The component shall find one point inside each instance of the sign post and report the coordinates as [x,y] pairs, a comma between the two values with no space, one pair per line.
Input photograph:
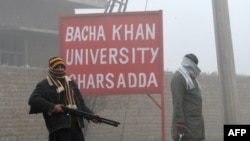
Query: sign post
[115,53]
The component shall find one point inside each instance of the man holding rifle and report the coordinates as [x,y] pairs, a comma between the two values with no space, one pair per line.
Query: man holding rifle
[52,95]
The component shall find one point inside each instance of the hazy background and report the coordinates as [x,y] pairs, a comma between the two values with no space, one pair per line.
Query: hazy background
[189,28]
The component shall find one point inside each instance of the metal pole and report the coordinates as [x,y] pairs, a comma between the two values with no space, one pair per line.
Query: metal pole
[225,60]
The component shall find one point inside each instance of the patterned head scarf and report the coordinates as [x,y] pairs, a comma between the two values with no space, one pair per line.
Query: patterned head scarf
[53,63]
[54,77]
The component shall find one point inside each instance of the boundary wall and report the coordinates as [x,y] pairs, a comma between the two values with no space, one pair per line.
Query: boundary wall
[140,117]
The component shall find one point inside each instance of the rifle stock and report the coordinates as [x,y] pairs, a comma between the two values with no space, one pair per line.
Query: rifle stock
[90,116]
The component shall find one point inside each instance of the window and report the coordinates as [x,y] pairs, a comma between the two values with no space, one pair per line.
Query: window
[11,49]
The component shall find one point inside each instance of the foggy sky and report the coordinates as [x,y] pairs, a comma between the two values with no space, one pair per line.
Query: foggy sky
[189,28]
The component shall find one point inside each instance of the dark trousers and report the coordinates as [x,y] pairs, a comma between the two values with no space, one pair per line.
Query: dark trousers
[67,134]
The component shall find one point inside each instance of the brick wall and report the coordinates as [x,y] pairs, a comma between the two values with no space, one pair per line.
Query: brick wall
[140,117]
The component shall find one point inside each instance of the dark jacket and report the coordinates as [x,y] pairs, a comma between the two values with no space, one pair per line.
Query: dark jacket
[43,99]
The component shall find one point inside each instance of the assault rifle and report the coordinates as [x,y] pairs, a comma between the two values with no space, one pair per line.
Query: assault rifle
[90,116]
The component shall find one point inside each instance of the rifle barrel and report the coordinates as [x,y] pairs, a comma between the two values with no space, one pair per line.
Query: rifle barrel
[90,116]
